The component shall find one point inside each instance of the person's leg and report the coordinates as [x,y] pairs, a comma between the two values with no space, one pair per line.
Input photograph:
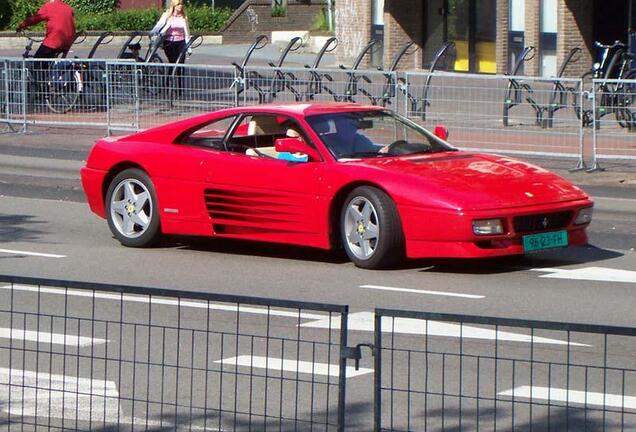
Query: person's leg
[40,70]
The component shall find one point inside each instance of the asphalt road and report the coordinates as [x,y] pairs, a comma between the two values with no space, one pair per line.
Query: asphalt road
[46,230]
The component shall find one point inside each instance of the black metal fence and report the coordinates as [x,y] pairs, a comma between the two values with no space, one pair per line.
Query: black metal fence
[439,372]
[84,356]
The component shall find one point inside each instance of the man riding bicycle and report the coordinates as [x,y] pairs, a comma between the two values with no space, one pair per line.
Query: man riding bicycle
[60,28]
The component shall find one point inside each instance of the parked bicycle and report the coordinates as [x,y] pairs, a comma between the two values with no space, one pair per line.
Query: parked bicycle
[616,97]
[58,82]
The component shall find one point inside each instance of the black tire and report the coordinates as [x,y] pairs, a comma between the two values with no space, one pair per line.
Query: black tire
[133,220]
[374,241]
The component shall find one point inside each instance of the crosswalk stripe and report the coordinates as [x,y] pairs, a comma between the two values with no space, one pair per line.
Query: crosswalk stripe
[286,365]
[164,301]
[48,338]
[572,396]
[365,321]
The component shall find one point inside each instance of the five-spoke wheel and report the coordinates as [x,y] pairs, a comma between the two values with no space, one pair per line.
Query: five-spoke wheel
[131,207]
[371,230]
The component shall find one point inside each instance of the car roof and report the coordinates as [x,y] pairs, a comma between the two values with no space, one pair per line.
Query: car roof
[307,109]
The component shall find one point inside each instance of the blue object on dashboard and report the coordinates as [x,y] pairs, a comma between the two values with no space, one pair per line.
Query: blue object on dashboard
[293,157]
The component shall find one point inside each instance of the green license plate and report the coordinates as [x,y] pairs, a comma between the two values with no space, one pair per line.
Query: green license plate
[549,240]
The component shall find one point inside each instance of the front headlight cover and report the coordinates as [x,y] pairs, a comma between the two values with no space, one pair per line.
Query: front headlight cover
[584,216]
[488,227]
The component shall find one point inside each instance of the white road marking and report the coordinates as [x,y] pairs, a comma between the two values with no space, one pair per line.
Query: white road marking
[57,396]
[165,301]
[572,396]
[365,321]
[416,291]
[614,199]
[37,254]
[601,274]
[276,364]
[48,338]
[67,397]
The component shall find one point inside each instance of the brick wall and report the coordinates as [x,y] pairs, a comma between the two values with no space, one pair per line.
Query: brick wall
[532,36]
[300,16]
[353,29]
[576,23]
[503,16]
[402,25]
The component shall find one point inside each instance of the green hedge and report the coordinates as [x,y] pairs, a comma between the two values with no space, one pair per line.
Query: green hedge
[201,18]
[93,6]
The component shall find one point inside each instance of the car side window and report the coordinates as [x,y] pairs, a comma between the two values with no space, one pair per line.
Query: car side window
[256,134]
[210,135]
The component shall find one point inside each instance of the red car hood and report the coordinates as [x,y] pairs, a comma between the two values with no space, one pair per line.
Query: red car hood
[479,181]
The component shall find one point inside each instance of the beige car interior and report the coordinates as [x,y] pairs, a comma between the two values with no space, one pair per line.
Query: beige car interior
[267,126]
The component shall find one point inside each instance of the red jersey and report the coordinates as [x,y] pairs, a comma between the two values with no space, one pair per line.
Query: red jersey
[60,24]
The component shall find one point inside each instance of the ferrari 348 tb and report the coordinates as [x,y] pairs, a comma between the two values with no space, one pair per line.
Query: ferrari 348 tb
[329,176]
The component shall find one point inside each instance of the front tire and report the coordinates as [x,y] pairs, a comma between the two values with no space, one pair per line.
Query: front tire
[370,229]
[131,209]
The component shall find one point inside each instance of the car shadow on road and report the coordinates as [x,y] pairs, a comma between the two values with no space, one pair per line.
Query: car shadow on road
[259,249]
[548,259]
[14,228]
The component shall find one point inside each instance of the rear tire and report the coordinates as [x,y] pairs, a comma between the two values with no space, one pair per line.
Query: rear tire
[131,209]
[371,230]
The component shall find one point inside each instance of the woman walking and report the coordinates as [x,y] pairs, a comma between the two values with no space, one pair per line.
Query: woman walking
[173,26]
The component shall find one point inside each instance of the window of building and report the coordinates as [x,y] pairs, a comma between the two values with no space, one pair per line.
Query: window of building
[548,38]
[470,25]
[516,34]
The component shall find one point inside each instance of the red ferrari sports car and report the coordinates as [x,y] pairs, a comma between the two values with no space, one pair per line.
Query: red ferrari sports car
[328,176]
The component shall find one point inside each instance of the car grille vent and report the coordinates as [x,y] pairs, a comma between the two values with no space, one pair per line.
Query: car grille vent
[542,222]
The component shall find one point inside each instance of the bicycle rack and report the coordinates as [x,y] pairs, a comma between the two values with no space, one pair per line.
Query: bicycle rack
[103,39]
[80,38]
[439,55]
[559,92]
[515,90]
[351,88]
[389,89]
[279,80]
[241,82]
[314,86]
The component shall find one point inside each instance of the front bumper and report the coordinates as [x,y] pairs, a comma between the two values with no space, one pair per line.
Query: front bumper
[434,233]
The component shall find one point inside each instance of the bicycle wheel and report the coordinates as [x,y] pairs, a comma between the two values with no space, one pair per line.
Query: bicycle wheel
[62,93]
[153,78]
[626,94]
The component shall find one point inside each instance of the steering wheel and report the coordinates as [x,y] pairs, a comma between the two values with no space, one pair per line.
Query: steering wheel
[397,147]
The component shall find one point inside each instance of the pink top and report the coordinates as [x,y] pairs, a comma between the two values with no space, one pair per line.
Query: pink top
[176,29]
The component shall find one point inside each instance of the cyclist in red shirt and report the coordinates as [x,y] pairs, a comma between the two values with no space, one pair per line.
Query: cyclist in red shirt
[60,28]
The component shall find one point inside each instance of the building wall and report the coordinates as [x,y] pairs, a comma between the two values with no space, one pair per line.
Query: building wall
[576,26]
[239,29]
[352,28]
[403,25]
[503,16]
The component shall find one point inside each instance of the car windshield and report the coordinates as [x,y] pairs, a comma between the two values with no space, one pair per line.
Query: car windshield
[372,134]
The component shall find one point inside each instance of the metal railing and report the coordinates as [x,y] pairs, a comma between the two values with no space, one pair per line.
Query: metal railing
[488,112]
[614,114]
[80,356]
[457,372]
[513,114]
[96,357]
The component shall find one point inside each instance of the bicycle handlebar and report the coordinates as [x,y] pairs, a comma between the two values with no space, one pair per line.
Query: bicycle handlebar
[616,44]
[29,37]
